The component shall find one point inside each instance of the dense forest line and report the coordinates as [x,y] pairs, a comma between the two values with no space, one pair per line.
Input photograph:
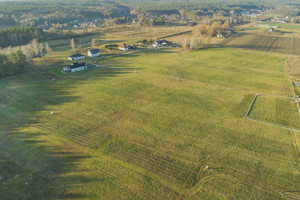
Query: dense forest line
[13,64]
[19,35]
[34,13]
[47,13]
[174,6]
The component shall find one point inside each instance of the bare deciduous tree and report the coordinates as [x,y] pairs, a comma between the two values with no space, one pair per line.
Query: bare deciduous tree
[47,48]
[73,46]
[93,43]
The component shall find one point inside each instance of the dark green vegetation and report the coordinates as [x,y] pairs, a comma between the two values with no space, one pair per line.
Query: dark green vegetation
[49,13]
[35,13]
[145,125]
[205,5]
[14,64]
[16,36]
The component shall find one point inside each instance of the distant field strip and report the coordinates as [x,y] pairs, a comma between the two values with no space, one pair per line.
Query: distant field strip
[264,43]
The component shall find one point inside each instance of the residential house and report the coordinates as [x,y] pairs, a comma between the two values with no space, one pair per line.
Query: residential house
[93,53]
[76,56]
[75,67]
[159,43]
[124,47]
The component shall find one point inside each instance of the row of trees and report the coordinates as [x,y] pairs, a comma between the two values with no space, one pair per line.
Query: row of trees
[36,13]
[19,35]
[30,50]
[13,64]
[216,28]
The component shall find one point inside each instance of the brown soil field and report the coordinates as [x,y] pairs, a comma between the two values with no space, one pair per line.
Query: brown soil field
[271,43]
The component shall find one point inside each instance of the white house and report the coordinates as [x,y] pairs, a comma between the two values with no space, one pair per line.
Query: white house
[75,67]
[93,53]
[76,56]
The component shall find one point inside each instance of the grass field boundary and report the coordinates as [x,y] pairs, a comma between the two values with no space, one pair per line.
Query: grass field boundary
[270,123]
[251,106]
[274,124]
[298,106]
[295,145]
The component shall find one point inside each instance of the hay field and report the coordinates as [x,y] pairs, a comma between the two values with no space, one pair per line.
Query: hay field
[285,45]
[145,126]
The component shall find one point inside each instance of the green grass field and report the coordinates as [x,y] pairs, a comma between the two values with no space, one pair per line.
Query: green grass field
[144,126]
[279,111]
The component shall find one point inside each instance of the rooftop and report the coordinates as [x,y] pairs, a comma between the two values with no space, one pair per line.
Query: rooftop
[94,51]
[76,55]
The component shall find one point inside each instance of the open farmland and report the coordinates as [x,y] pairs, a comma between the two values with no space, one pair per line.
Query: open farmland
[145,126]
[285,45]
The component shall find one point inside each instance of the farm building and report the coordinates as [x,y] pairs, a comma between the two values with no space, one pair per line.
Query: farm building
[93,53]
[124,47]
[75,67]
[76,56]
[159,43]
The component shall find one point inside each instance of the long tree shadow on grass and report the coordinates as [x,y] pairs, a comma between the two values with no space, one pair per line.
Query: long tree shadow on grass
[33,165]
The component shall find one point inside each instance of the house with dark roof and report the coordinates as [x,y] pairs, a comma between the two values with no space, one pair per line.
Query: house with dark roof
[93,53]
[75,67]
[76,56]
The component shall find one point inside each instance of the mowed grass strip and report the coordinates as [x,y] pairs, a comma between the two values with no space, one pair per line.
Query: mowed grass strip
[183,173]
[281,111]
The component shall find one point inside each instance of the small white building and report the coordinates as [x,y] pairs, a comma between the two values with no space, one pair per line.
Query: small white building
[93,53]
[75,67]
[76,56]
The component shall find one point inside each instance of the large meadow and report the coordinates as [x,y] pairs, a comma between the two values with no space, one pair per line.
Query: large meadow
[158,124]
